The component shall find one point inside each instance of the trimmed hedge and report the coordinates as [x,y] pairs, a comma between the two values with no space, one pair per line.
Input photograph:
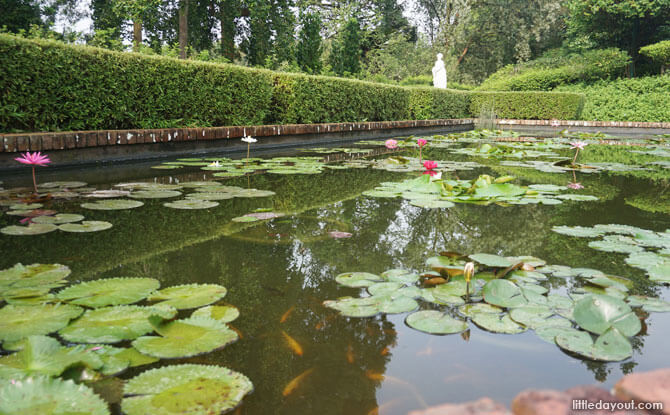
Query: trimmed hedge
[532,105]
[47,85]
[636,99]
[50,86]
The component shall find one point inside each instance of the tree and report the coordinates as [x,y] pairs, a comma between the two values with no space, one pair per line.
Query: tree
[135,10]
[308,51]
[183,29]
[346,54]
[19,14]
[626,24]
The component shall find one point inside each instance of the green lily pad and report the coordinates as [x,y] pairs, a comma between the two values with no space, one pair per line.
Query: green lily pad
[435,322]
[657,266]
[210,196]
[470,310]
[245,219]
[358,279]
[191,204]
[185,338]
[537,316]
[222,313]
[114,324]
[189,295]
[19,321]
[497,323]
[117,359]
[371,306]
[180,389]
[85,226]
[491,260]
[578,231]
[69,185]
[649,304]
[432,203]
[598,313]
[400,275]
[615,228]
[254,193]
[42,355]
[154,194]
[59,218]
[384,288]
[444,264]
[110,291]
[25,206]
[112,204]
[611,346]
[43,395]
[31,276]
[503,293]
[614,246]
[578,198]
[31,229]
[549,333]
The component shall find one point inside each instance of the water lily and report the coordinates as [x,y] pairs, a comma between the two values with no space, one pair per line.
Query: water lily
[249,140]
[577,145]
[468,272]
[430,165]
[34,159]
[575,185]
[421,142]
[215,164]
[391,144]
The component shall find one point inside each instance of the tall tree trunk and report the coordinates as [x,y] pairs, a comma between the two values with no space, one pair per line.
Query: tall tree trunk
[137,34]
[183,29]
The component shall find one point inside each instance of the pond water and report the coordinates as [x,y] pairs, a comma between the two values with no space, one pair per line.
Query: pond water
[279,272]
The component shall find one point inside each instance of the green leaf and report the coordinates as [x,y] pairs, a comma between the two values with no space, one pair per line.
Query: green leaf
[110,291]
[358,279]
[611,346]
[59,218]
[186,338]
[598,313]
[649,304]
[189,295]
[31,229]
[180,389]
[191,204]
[503,293]
[491,260]
[535,317]
[19,321]
[86,226]
[41,396]
[222,313]
[435,322]
[112,204]
[497,323]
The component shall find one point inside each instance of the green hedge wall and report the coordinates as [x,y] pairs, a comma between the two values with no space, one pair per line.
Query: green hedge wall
[50,86]
[532,105]
[47,85]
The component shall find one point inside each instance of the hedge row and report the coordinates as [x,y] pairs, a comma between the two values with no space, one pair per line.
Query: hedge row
[50,86]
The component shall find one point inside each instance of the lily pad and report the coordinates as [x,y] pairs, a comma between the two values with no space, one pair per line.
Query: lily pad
[113,204]
[179,389]
[189,295]
[503,293]
[19,321]
[649,304]
[31,229]
[537,316]
[491,260]
[59,218]
[611,346]
[210,196]
[578,231]
[598,313]
[110,291]
[400,275]
[615,246]
[42,395]
[222,313]
[245,219]
[117,359]
[85,226]
[384,288]
[470,310]
[114,324]
[62,184]
[435,322]
[358,279]
[42,355]
[191,204]
[186,338]
[549,333]
[497,323]
[371,306]
[432,203]
[154,194]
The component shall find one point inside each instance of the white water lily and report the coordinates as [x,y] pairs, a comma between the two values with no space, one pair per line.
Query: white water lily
[249,139]
[214,164]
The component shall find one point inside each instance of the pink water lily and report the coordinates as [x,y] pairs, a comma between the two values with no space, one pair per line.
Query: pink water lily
[391,144]
[575,186]
[33,159]
[430,165]
[421,142]
[578,144]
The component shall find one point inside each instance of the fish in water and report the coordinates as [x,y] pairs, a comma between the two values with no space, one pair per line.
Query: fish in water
[350,354]
[295,382]
[286,315]
[376,376]
[292,344]
[385,351]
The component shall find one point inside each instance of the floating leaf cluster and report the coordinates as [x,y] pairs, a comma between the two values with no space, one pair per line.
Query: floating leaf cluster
[426,192]
[94,318]
[647,250]
[506,295]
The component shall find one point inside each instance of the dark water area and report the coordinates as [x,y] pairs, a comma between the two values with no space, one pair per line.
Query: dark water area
[278,274]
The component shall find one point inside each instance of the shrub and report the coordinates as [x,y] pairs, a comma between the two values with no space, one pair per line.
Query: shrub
[531,105]
[547,73]
[47,86]
[659,52]
[637,99]
[430,103]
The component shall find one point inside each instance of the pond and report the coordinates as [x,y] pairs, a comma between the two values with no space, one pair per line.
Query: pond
[304,356]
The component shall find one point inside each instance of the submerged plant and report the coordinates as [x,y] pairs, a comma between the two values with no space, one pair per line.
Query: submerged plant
[577,145]
[34,159]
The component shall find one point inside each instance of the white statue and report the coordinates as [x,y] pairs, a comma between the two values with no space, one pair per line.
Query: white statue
[439,73]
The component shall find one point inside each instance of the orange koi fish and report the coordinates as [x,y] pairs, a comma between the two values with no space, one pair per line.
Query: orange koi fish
[385,351]
[350,354]
[295,382]
[285,316]
[376,376]
[292,344]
